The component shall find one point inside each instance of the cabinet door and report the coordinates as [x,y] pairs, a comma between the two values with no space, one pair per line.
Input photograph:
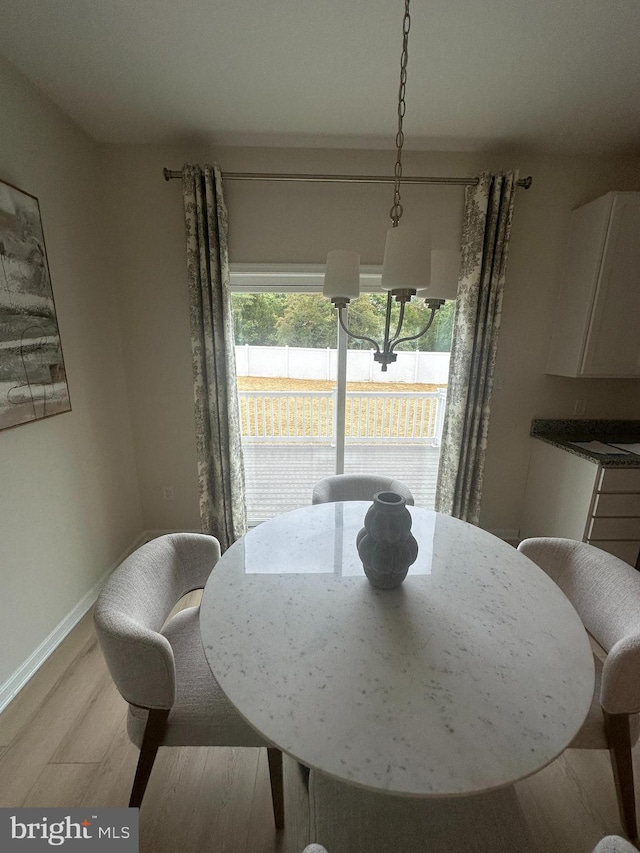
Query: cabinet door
[613,344]
[578,283]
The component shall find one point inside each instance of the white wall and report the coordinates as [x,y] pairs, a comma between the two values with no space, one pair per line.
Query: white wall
[69,503]
[269,223]
[299,223]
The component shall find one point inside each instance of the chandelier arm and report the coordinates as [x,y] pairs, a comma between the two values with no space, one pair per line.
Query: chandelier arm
[387,322]
[398,327]
[352,334]
[422,332]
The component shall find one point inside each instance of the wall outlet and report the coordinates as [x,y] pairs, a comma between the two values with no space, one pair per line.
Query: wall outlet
[167,493]
[579,407]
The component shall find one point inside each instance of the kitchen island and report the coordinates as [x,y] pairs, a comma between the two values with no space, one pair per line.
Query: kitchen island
[584,483]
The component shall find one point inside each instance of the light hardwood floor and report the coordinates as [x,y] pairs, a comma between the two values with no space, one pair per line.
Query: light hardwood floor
[63,742]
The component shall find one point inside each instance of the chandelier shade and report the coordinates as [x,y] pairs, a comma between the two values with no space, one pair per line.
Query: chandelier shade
[445,270]
[407,259]
[342,275]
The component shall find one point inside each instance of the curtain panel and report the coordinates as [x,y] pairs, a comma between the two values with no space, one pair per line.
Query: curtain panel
[485,242]
[217,417]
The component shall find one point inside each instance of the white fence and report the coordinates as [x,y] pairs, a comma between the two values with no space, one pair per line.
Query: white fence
[292,417]
[306,363]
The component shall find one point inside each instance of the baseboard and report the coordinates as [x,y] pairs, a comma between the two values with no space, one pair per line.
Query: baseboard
[14,684]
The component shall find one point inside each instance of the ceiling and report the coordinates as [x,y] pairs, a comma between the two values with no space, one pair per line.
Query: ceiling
[557,75]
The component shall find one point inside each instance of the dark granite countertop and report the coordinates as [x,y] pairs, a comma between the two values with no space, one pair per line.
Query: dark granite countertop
[561,432]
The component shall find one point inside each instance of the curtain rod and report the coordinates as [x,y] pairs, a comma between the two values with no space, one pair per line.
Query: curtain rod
[170,174]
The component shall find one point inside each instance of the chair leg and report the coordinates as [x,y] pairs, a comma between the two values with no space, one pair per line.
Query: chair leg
[619,739]
[277,785]
[151,740]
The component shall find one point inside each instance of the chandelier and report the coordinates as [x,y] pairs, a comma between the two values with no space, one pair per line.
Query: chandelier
[409,267]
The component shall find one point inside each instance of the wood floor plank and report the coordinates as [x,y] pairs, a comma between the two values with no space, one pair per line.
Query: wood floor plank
[558,812]
[112,784]
[296,810]
[18,713]
[33,747]
[61,785]
[592,775]
[199,799]
[171,801]
[89,740]
[229,783]
[261,837]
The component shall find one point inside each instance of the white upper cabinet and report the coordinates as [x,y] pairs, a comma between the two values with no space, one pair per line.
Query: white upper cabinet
[597,315]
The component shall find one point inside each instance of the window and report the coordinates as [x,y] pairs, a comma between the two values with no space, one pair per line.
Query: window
[314,403]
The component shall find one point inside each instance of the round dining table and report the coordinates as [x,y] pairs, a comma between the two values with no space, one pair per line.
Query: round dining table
[476,672]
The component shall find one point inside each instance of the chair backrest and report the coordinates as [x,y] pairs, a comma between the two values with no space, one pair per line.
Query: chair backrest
[357,487]
[134,605]
[605,591]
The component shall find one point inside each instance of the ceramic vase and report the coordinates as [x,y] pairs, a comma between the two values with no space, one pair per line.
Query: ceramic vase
[385,544]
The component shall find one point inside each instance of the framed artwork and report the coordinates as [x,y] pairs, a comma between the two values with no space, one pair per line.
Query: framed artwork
[33,381]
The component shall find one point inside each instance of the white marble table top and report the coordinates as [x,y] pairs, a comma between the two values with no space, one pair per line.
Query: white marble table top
[475,673]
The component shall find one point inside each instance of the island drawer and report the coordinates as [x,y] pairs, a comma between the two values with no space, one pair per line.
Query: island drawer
[614,528]
[616,504]
[620,480]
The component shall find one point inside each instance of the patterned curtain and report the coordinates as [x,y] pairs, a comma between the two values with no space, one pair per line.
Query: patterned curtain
[218,442]
[485,241]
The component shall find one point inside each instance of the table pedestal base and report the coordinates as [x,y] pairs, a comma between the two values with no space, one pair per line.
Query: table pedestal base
[345,818]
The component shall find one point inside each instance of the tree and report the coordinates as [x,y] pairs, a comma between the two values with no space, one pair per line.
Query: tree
[438,338]
[308,321]
[363,318]
[255,317]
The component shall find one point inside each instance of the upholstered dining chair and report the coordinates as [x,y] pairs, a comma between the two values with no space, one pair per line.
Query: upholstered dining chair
[605,592]
[357,487]
[614,844]
[159,666]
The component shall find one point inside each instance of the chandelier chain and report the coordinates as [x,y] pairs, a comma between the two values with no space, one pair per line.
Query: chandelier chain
[402,286]
[396,210]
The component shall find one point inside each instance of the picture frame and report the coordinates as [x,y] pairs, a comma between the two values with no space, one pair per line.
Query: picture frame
[33,379]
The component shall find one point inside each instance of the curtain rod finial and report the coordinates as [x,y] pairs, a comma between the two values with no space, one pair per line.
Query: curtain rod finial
[167,174]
